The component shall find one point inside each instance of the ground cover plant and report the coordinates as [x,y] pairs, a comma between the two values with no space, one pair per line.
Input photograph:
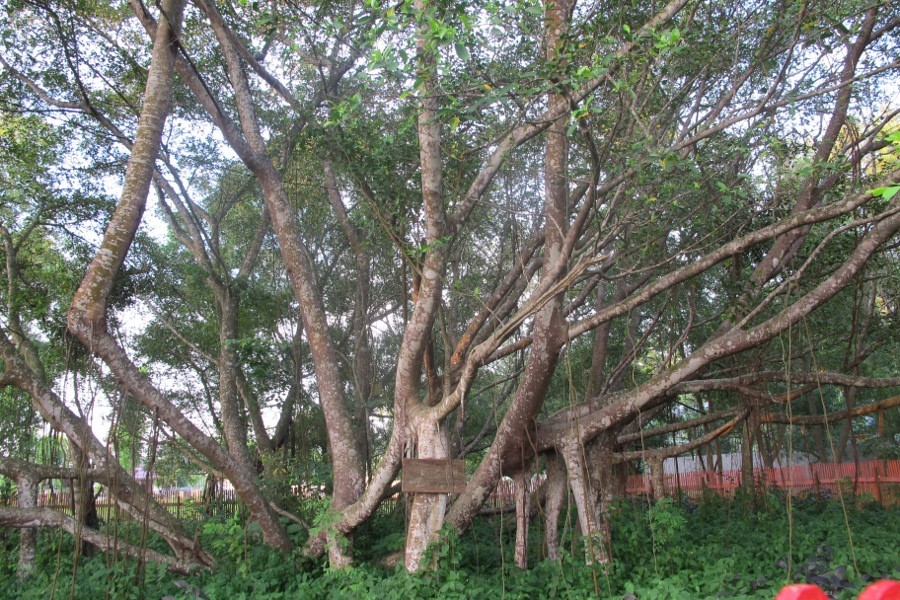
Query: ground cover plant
[713,549]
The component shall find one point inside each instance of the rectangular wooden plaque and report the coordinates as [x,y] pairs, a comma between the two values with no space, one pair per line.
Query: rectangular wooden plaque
[433,476]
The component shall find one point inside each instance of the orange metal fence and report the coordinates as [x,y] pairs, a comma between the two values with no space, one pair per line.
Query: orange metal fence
[876,478]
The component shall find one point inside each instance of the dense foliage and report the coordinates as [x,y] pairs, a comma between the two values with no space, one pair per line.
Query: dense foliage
[714,549]
[283,247]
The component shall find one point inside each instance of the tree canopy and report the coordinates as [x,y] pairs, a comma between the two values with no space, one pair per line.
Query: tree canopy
[292,245]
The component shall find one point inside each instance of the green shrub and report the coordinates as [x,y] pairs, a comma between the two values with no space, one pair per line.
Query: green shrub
[672,550]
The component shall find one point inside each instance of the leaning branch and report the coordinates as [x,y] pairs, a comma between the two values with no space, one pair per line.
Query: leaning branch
[15,468]
[22,518]
[625,404]
[129,494]
[840,379]
[682,448]
[675,427]
[831,418]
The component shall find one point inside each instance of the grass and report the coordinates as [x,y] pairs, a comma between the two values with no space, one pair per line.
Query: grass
[743,548]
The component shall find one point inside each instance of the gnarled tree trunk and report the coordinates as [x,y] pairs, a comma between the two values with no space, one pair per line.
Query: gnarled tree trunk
[427,511]
[556,496]
[585,501]
[523,518]
[83,497]
[27,497]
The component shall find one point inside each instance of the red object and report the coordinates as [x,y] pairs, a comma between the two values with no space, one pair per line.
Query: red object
[801,591]
[882,590]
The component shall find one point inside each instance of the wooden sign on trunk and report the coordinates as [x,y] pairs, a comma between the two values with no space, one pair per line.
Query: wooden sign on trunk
[433,476]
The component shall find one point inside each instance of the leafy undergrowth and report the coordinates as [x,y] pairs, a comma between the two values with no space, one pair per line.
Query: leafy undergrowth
[717,549]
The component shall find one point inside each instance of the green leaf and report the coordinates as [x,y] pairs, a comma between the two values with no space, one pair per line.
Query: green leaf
[461,51]
[886,192]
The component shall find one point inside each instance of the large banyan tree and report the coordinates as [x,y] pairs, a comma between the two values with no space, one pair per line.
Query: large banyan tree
[534,236]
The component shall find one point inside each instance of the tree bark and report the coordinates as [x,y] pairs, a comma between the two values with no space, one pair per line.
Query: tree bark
[362,351]
[344,445]
[601,452]
[87,315]
[27,497]
[426,515]
[585,501]
[556,495]
[83,497]
[30,518]
[747,482]
[548,323]
[233,425]
[523,518]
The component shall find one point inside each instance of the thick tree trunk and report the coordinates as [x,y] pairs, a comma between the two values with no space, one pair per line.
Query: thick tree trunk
[87,315]
[556,495]
[600,451]
[511,439]
[523,518]
[426,514]
[747,456]
[91,299]
[233,425]
[586,504]
[605,469]
[431,436]
[344,443]
[27,496]
[83,497]
[362,352]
